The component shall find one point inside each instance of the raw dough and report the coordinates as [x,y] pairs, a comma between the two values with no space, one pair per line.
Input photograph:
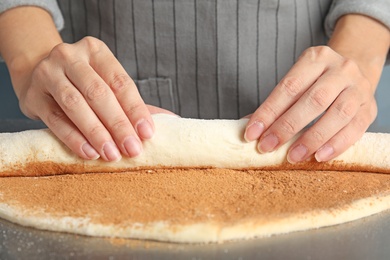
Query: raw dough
[184,143]
[181,142]
[192,206]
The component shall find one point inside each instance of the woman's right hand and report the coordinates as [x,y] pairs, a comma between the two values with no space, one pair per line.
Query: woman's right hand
[83,94]
[79,90]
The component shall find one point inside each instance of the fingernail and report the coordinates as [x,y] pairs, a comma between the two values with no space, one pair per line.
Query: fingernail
[254,131]
[144,129]
[297,154]
[132,146]
[324,153]
[268,144]
[89,151]
[111,152]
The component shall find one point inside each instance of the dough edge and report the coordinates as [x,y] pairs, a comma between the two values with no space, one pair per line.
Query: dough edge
[202,232]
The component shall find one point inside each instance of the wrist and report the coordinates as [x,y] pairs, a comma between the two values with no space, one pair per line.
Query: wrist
[364,41]
[27,35]
[21,68]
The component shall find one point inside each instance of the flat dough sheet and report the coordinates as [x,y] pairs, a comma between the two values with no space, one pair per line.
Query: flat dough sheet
[193,206]
[181,190]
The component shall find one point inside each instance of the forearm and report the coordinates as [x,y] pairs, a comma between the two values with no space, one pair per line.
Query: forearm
[27,35]
[365,41]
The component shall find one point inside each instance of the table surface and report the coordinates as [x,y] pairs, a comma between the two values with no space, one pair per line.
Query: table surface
[367,238]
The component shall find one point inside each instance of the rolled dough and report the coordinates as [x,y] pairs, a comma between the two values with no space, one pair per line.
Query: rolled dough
[178,143]
[181,142]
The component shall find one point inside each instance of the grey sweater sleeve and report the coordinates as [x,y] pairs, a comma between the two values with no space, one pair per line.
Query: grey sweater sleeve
[49,5]
[378,9]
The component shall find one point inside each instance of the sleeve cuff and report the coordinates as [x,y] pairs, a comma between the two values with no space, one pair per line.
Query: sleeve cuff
[49,5]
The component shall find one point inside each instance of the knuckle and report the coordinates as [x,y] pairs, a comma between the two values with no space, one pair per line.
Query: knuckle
[69,98]
[288,126]
[96,91]
[134,107]
[93,44]
[318,136]
[120,81]
[350,66]
[62,51]
[77,64]
[120,124]
[96,130]
[55,117]
[317,53]
[310,53]
[346,110]
[323,51]
[318,98]
[70,137]
[269,110]
[291,86]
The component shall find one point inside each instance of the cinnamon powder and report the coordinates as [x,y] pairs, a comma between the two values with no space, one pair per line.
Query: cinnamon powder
[185,196]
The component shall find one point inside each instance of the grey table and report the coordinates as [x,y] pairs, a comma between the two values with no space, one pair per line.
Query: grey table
[367,238]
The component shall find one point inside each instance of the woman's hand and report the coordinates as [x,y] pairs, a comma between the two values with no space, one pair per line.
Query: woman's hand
[322,82]
[79,90]
[335,84]
[88,100]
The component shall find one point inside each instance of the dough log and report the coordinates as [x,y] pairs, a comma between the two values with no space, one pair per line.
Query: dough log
[181,143]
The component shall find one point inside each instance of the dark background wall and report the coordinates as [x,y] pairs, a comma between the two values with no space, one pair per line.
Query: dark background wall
[383,99]
[8,102]
[9,108]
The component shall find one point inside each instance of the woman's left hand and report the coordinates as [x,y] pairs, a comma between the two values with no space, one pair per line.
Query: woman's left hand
[335,84]
[321,83]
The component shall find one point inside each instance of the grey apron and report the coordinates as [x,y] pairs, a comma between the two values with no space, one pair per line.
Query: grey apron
[201,58]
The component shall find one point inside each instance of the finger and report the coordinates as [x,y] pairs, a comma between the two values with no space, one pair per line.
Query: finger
[54,118]
[125,91]
[301,76]
[312,103]
[38,103]
[349,134]
[104,104]
[340,113]
[79,112]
